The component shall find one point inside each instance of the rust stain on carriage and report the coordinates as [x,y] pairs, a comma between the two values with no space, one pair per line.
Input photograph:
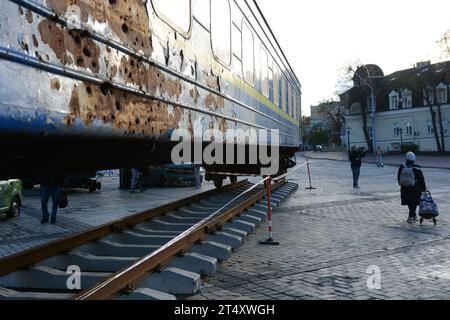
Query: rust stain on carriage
[127,19]
[122,110]
[62,41]
[55,84]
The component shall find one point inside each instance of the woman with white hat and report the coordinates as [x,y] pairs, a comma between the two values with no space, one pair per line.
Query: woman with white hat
[412,182]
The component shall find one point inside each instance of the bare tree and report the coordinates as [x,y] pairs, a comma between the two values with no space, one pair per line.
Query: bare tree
[332,112]
[427,83]
[355,99]
[444,43]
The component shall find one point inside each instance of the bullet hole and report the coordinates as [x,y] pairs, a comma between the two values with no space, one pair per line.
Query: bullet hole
[104,88]
[125,28]
[86,52]
[126,70]
[35,41]
[118,106]
[94,65]
[77,39]
[130,75]
[132,63]
[113,117]
[137,121]
[80,61]
[112,2]
[89,90]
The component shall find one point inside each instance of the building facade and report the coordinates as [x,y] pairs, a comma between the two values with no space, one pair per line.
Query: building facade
[405,108]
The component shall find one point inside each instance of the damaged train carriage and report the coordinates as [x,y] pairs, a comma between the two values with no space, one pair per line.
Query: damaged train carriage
[95,84]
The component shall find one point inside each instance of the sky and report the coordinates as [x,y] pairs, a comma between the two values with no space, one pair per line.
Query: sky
[320,37]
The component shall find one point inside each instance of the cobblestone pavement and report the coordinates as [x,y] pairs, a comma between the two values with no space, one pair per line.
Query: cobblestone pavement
[438,162]
[84,212]
[335,240]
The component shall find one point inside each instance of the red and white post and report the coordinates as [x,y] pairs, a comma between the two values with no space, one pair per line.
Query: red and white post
[269,215]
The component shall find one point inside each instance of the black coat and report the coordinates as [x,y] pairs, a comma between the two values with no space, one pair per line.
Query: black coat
[355,157]
[411,195]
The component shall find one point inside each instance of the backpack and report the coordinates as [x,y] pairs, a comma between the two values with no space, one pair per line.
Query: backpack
[407,177]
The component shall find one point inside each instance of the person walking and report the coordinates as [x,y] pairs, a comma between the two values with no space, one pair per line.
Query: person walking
[197,175]
[355,158]
[136,178]
[412,181]
[380,160]
[51,185]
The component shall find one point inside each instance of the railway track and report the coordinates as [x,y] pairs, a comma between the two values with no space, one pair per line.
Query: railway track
[159,254]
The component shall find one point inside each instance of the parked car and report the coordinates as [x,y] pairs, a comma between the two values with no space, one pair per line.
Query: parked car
[86,180]
[11,197]
[318,147]
[170,175]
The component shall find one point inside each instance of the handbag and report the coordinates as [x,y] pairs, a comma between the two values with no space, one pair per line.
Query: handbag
[63,201]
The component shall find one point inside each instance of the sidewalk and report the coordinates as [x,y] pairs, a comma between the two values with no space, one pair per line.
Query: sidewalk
[434,162]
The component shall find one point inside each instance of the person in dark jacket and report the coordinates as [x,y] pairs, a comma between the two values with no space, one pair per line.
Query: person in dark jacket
[355,158]
[410,195]
[51,185]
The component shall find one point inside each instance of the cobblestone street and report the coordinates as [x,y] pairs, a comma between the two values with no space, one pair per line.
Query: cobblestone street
[334,238]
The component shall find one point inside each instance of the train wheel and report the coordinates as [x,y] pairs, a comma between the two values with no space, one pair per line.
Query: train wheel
[218,183]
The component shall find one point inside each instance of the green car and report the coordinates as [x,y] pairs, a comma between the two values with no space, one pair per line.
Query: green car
[10,197]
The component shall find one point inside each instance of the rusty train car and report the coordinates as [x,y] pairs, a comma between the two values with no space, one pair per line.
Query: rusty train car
[95,84]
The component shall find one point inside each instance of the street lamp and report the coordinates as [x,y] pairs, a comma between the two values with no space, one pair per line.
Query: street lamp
[348,138]
[401,138]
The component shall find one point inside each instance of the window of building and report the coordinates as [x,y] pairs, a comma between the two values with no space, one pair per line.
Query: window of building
[441,94]
[221,30]
[407,98]
[428,97]
[264,72]
[179,19]
[248,56]
[409,129]
[430,127]
[393,100]
[276,85]
[396,130]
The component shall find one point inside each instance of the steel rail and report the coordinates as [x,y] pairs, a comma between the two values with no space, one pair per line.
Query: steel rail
[50,14]
[35,255]
[128,278]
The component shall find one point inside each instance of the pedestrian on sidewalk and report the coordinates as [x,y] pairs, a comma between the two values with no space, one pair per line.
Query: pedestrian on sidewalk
[355,158]
[136,178]
[197,175]
[51,185]
[410,178]
[380,160]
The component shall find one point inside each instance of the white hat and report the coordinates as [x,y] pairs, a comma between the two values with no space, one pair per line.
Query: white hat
[410,156]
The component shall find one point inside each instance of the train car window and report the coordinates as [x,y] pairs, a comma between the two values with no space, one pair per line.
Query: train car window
[276,85]
[283,94]
[291,103]
[179,19]
[271,96]
[248,54]
[264,72]
[201,11]
[221,30]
